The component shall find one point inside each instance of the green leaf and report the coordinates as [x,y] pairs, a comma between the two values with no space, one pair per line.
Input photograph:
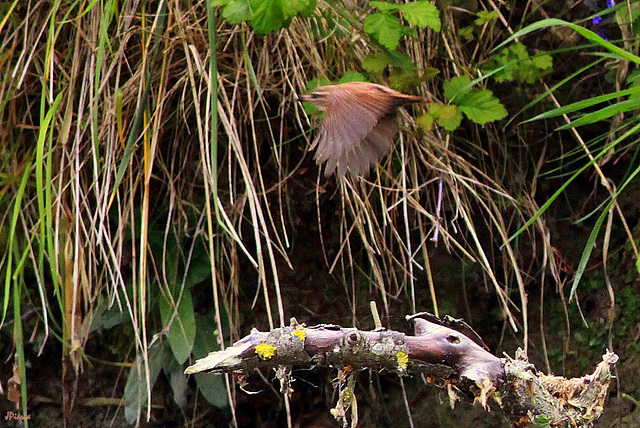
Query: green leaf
[479,106]
[211,386]
[404,80]
[448,116]
[482,107]
[352,76]
[199,266]
[237,11]
[385,28]
[318,81]
[457,86]
[303,7]
[422,14]
[542,61]
[401,60]
[514,63]
[466,33]
[178,382]
[383,5]
[135,390]
[425,121]
[182,326]
[485,17]
[268,15]
[375,63]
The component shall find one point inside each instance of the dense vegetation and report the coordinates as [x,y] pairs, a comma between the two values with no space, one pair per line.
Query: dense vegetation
[158,198]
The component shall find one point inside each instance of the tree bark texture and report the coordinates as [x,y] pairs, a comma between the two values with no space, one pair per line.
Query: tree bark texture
[447,353]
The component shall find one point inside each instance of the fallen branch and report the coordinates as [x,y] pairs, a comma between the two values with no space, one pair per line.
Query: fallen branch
[443,351]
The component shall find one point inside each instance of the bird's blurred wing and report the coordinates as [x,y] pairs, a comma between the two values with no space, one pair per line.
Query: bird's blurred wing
[357,130]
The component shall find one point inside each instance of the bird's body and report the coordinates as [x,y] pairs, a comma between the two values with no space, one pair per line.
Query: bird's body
[360,124]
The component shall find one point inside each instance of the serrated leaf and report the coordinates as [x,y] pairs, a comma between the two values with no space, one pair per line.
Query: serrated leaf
[425,121]
[182,327]
[352,76]
[482,107]
[303,7]
[407,31]
[485,17]
[403,80]
[385,28]
[401,60]
[383,5]
[448,116]
[542,61]
[237,11]
[376,62]
[422,14]
[268,15]
[516,64]
[429,73]
[456,87]
[466,33]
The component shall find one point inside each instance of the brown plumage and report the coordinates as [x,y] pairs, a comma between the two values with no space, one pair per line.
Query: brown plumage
[360,123]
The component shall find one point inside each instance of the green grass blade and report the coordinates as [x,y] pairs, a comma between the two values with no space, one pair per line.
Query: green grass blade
[580,105]
[17,207]
[588,34]
[558,192]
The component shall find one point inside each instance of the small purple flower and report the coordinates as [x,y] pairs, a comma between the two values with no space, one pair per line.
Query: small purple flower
[596,20]
[611,3]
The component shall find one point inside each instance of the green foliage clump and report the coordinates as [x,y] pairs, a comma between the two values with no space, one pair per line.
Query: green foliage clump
[480,106]
[265,16]
[515,64]
[387,29]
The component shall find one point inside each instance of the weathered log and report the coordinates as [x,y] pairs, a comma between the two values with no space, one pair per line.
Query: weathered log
[445,356]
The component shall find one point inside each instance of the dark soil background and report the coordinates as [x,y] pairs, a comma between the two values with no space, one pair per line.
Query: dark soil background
[559,340]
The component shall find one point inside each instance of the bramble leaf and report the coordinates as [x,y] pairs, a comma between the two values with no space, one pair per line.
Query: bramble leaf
[352,76]
[456,87]
[485,17]
[466,33]
[422,14]
[237,11]
[383,5]
[518,65]
[303,7]
[479,106]
[385,28]
[482,107]
[268,15]
[448,116]
[425,121]
[401,60]
[376,62]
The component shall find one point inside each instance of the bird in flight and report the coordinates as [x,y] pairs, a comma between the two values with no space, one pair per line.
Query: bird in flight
[359,126]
